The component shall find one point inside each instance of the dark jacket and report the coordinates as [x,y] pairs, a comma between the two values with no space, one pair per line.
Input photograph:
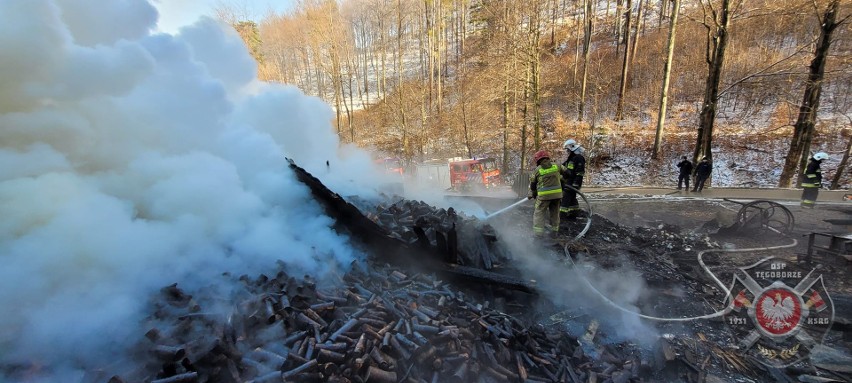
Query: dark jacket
[685,167]
[703,169]
[813,175]
[576,166]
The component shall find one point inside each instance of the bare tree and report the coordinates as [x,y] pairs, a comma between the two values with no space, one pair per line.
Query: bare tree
[534,62]
[803,130]
[625,64]
[639,23]
[716,22]
[667,71]
[589,18]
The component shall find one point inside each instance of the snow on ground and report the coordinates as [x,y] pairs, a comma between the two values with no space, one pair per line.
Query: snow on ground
[739,160]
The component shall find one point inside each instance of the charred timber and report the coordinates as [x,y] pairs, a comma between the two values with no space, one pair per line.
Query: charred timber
[396,251]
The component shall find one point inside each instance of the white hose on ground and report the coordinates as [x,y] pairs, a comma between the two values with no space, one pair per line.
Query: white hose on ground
[706,269]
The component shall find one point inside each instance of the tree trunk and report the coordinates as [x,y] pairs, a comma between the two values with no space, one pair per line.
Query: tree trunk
[625,66]
[430,46]
[576,49]
[799,152]
[587,40]
[553,26]
[400,89]
[505,168]
[715,61]
[337,85]
[382,80]
[440,53]
[366,71]
[638,22]
[466,128]
[525,111]
[618,26]
[667,71]
[535,72]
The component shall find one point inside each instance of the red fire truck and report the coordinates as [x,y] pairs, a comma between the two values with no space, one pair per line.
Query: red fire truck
[472,174]
[390,165]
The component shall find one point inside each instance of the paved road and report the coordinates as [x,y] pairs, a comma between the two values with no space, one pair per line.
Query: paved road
[835,196]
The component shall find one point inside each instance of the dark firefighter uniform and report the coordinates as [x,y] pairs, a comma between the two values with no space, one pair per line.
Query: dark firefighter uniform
[811,182]
[575,166]
[546,188]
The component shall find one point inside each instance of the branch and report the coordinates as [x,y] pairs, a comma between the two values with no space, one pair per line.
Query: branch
[713,10]
[761,72]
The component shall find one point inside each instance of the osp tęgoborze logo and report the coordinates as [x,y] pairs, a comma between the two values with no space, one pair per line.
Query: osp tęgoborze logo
[779,312]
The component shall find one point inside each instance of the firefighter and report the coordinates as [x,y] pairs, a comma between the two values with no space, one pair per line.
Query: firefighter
[575,165]
[685,167]
[568,146]
[702,173]
[812,180]
[546,188]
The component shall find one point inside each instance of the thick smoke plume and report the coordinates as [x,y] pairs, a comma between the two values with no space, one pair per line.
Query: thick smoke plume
[130,160]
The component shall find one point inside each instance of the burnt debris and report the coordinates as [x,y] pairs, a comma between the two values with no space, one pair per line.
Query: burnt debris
[453,257]
[378,325]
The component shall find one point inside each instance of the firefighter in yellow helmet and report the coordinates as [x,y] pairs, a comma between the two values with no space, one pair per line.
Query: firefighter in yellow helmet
[546,188]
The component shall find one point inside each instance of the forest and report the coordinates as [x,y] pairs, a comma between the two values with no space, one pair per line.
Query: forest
[639,83]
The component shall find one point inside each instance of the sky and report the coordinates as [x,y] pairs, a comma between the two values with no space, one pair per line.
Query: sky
[177,13]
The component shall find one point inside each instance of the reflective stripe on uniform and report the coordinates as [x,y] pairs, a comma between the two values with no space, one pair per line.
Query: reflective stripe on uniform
[808,185]
[811,175]
[538,230]
[551,169]
[570,165]
[549,190]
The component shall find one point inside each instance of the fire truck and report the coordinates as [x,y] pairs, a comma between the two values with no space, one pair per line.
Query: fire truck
[473,174]
[459,174]
[390,165]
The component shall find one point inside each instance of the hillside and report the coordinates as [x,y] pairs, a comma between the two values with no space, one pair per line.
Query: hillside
[436,79]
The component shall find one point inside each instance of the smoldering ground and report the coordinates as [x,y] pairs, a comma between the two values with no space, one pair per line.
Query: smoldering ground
[564,285]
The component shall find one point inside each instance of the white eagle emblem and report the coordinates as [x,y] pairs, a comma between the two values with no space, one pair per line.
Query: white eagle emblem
[777,311]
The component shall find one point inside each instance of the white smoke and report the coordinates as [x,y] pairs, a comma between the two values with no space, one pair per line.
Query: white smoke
[566,285]
[131,160]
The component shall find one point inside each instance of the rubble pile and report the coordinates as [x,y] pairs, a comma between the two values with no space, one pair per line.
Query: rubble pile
[379,325]
[464,240]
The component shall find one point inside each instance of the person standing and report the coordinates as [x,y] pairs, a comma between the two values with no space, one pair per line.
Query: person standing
[702,173]
[569,145]
[685,167]
[575,167]
[546,188]
[812,180]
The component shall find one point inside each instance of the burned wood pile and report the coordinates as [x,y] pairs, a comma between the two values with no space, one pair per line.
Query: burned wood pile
[383,246]
[380,325]
[463,240]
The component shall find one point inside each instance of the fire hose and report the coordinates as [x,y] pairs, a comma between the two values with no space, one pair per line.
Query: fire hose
[727,290]
[505,209]
[579,194]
